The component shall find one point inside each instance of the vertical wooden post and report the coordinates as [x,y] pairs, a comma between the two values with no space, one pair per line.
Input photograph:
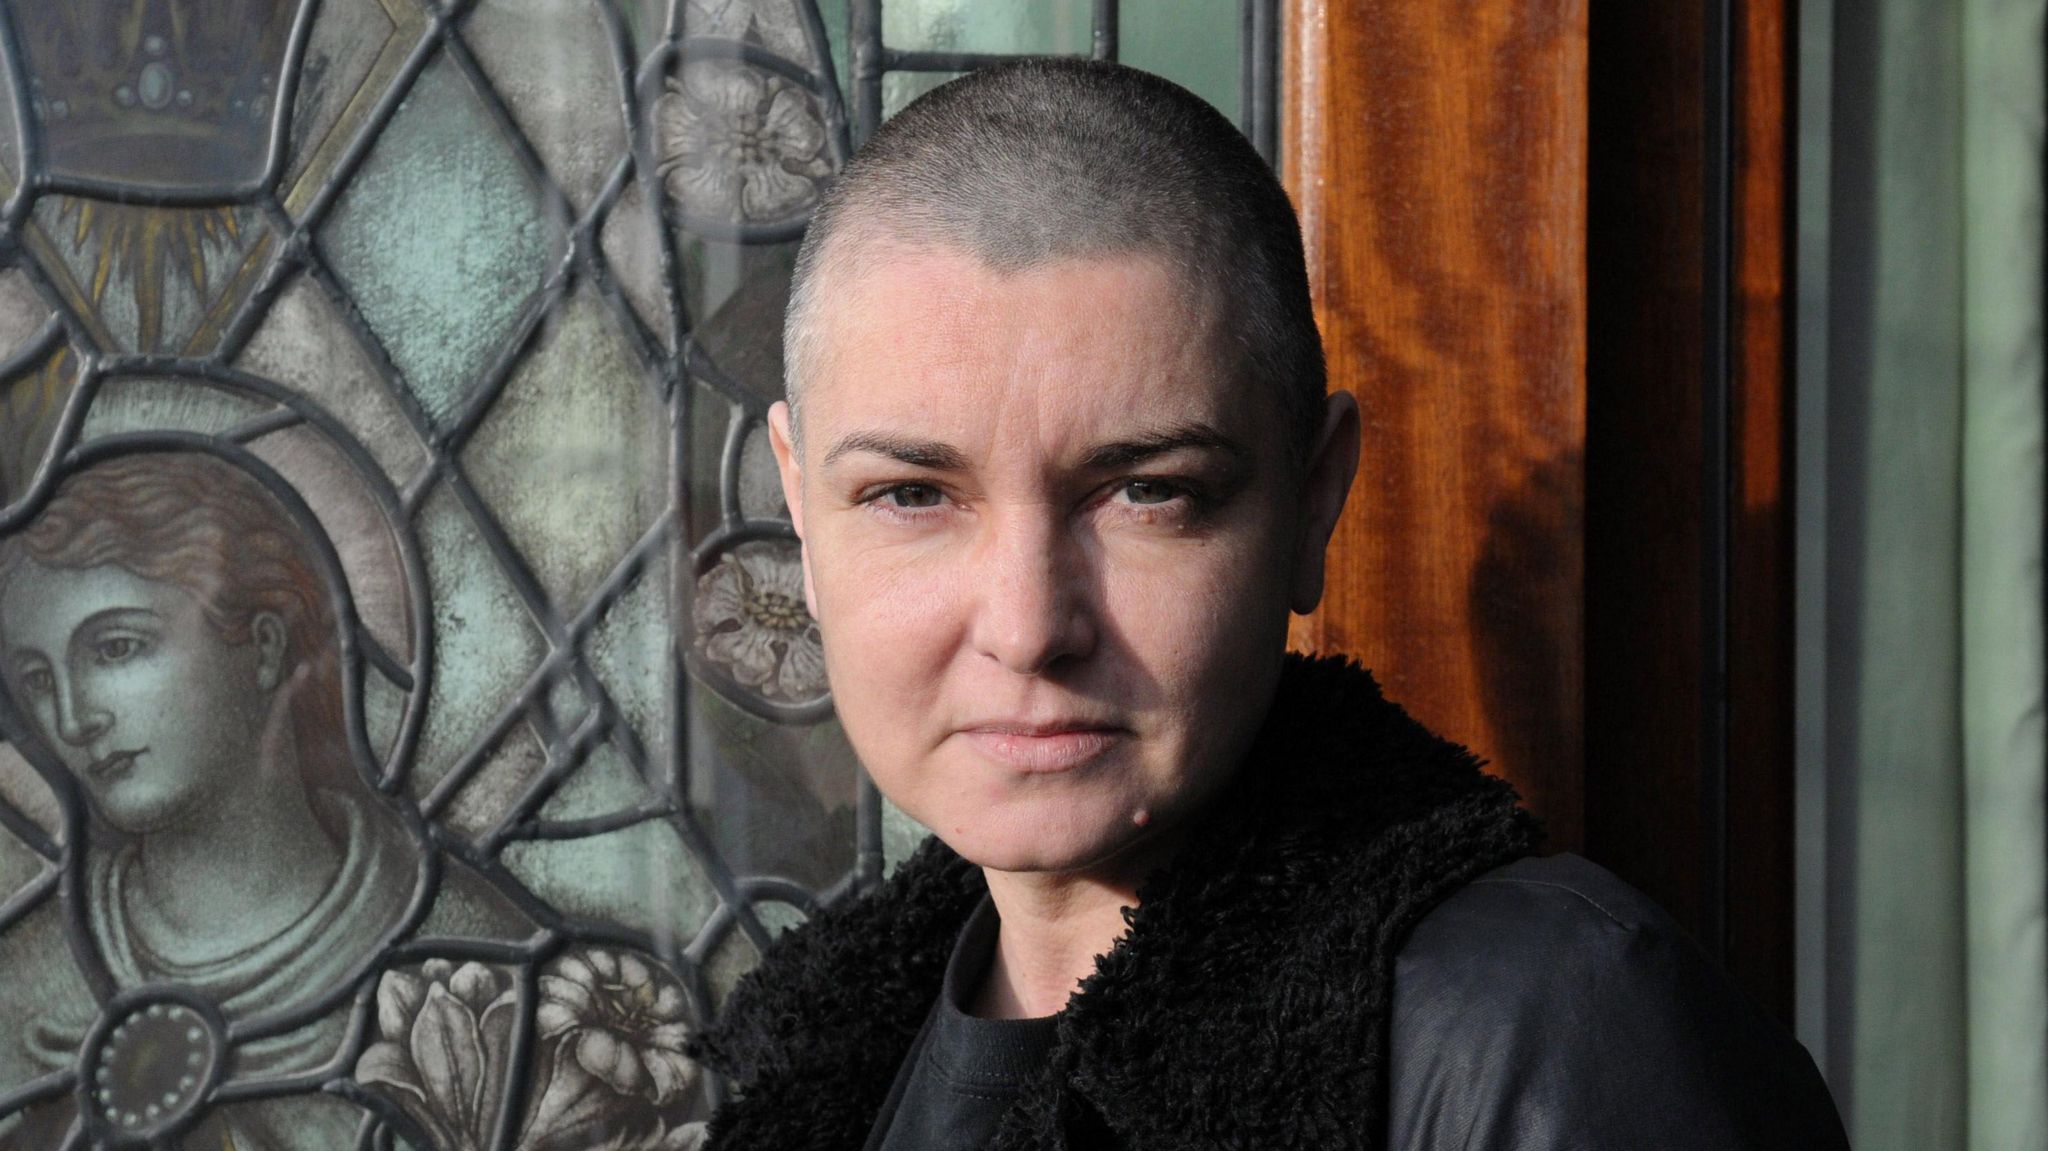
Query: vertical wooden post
[1437,155]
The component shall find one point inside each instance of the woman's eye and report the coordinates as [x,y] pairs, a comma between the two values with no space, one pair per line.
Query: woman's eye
[39,680]
[115,648]
[913,496]
[1150,491]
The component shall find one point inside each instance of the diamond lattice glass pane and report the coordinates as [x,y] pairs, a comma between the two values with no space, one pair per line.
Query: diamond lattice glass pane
[630,653]
[631,240]
[485,645]
[353,55]
[604,785]
[573,454]
[304,342]
[551,60]
[441,238]
[488,798]
[641,877]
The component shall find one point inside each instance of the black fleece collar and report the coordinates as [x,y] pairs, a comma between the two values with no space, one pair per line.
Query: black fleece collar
[1248,1004]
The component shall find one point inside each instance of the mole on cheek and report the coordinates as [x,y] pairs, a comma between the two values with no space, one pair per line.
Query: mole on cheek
[1140,817]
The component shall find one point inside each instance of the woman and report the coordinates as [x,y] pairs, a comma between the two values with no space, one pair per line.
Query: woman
[167,631]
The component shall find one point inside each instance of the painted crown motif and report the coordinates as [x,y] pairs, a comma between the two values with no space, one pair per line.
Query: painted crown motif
[155,93]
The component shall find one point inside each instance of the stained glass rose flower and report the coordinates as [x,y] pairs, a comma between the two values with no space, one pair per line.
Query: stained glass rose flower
[739,144]
[623,1023]
[751,621]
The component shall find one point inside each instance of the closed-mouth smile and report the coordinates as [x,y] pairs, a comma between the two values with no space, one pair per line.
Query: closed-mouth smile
[114,765]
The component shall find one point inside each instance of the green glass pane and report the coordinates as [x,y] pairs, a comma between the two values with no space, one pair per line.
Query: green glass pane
[485,645]
[629,652]
[1041,27]
[499,783]
[158,404]
[551,61]
[352,46]
[777,25]
[900,88]
[468,906]
[441,239]
[605,784]
[728,963]
[23,788]
[631,240]
[737,295]
[642,877]
[573,454]
[1194,43]
[383,710]
[305,344]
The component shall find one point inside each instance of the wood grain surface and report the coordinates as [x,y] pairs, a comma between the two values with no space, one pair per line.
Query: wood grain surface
[1437,154]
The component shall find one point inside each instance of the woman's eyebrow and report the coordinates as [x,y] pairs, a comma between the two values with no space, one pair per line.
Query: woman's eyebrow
[1123,453]
[917,453]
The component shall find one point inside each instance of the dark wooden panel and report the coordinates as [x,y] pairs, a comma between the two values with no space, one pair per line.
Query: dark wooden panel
[1759,923]
[1438,155]
[1646,279]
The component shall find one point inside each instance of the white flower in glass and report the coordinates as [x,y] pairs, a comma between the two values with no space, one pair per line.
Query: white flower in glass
[751,621]
[621,1021]
[739,144]
[443,1048]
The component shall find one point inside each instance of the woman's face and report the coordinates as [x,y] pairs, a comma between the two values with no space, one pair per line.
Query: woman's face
[143,701]
[1050,545]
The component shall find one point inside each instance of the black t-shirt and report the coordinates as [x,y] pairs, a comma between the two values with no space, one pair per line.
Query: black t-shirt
[962,1074]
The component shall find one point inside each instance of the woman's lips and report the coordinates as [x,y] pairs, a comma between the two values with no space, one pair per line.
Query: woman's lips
[1043,750]
[113,766]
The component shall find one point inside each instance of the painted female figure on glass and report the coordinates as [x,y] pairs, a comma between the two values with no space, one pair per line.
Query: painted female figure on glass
[166,630]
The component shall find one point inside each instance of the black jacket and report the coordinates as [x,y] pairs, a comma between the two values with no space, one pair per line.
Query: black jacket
[1345,955]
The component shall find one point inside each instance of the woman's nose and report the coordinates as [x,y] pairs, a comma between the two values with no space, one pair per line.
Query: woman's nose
[79,721]
[1035,607]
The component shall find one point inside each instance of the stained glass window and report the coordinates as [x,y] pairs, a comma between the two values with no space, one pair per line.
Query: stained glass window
[413,727]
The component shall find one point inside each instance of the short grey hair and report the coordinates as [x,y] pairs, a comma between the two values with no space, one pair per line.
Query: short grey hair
[1029,162]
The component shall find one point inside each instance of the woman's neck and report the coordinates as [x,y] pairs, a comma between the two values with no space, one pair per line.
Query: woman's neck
[1053,927]
[235,873]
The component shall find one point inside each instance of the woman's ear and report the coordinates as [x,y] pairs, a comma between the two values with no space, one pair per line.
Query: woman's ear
[1326,483]
[782,438]
[268,633]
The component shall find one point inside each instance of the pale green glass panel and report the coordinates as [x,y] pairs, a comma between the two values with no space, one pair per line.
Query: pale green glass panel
[485,644]
[442,182]
[1041,27]
[900,88]
[158,404]
[23,788]
[467,906]
[605,784]
[760,482]
[1194,43]
[500,781]
[383,712]
[642,878]
[629,652]
[777,917]
[551,61]
[303,342]
[573,453]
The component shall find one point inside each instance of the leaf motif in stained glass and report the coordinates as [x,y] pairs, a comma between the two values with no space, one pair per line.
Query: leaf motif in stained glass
[641,877]
[574,453]
[485,644]
[441,238]
[304,342]
[551,61]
